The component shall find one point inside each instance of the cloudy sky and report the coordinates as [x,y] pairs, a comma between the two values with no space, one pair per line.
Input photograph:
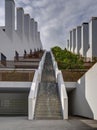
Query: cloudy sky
[56,17]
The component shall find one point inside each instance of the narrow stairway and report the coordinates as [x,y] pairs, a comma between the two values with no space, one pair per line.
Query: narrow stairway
[48,104]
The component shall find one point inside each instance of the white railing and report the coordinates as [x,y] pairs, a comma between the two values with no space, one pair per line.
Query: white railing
[34,89]
[61,88]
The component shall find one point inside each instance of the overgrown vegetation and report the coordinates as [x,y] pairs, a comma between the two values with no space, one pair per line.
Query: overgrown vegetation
[66,59]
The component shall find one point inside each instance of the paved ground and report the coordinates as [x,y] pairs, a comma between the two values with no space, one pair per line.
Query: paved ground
[21,123]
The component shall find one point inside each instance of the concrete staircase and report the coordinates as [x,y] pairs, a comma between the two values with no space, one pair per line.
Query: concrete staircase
[48,104]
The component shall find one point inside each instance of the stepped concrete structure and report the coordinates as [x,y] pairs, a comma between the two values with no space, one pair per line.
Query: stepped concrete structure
[83,40]
[31,83]
[81,94]
[25,38]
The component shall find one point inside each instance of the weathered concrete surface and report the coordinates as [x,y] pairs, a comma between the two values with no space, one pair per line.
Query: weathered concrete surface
[21,123]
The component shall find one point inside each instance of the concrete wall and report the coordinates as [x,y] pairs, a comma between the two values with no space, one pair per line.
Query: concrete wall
[78,104]
[82,100]
[13,103]
[6,46]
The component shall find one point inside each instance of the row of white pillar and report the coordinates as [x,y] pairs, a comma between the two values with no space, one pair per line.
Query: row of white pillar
[83,39]
[25,37]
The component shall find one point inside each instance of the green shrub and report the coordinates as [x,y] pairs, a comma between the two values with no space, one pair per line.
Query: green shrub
[66,59]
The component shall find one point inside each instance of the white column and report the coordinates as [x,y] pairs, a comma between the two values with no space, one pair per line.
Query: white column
[74,40]
[10,17]
[27,25]
[27,29]
[39,41]
[78,39]
[19,33]
[36,35]
[32,34]
[70,40]
[85,38]
[20,22]
[92,52]
[68,45]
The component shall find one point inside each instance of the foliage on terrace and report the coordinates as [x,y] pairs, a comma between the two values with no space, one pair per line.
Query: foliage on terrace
[66,59]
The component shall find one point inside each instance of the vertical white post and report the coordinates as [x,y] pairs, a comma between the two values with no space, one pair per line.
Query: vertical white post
[85,38]
[92,38]
[70,40]
[78,39]
[27,29]
[36,34]
[27,25]
[68,45]
[74,40]
[20,22]
[10,18]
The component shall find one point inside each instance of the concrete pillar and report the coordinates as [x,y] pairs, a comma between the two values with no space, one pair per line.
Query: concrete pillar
[85,38]
[70,40]
[27,31]
[10,17]
[68,45]
[39,41]
[78,39]
[36,35]
[74,41]
[92,38]
[20,22]
[27,26]
[33,32]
